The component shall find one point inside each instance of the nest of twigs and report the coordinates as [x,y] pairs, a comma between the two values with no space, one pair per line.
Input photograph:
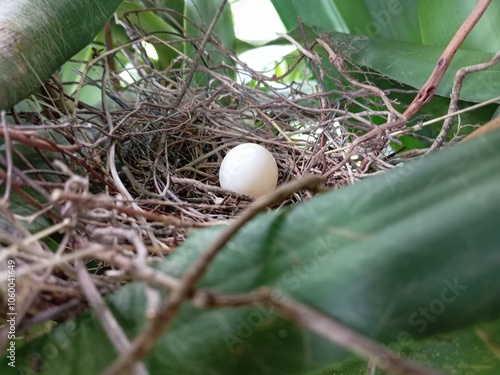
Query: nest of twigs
[141,170]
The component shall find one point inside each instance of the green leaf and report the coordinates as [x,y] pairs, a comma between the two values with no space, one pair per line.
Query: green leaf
[471,351]
[412,64]
[440,20]
[39,36]
[400,256]
[152,23]
[400,45]
[394,20]
[201,13]
[70,77]
[175,9]
[323,13]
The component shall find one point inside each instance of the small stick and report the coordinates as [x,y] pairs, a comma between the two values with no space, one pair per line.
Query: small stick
[308,54]
[54,313]
[53,261]
[89,202]
[140,272]
[208,188]
[427,91]
[322,324]
[31,138]
[489,126]
[141,253]
[199,53]
[371,367]
[105,316]
[419,126]
[455,94]
[378,130]
[345,337]
[8,156]
[339,64]
[145,341]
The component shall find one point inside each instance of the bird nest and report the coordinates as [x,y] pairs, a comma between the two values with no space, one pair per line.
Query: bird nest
[157,143]
[142,169]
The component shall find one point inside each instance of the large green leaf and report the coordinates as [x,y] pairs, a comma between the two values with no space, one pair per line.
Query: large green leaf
[404,40]
[412,64]
[439,21]
[394,20]
[425,22]
[39,36]
[400,256]
[471,351]
[409,63]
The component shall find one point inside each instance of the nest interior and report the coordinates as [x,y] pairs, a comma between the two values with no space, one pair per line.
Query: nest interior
[159,143]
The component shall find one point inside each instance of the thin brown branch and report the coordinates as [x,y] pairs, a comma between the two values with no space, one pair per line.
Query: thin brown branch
[199,53]
[8,157]
[54,314]
[322,324]
[28,288]
[32,139]
[346,338]
[338,62]
[379,130]
[105,316]
[139,272]
[159,323]
[89,201]
[455,96]
[140,257]
[427,91]
[208,188]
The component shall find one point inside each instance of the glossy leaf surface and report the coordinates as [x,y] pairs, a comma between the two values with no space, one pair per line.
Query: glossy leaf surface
[39,36]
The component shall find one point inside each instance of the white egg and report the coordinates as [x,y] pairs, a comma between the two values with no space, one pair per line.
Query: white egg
[249,169]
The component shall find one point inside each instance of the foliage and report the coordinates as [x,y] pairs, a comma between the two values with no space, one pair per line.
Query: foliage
[408,257]
[386,36]
[43,35]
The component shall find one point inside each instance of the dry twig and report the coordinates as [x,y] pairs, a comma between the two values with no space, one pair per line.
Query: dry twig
[322,325]
[105,316]
[427,91]
[346,338]
[455,95]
